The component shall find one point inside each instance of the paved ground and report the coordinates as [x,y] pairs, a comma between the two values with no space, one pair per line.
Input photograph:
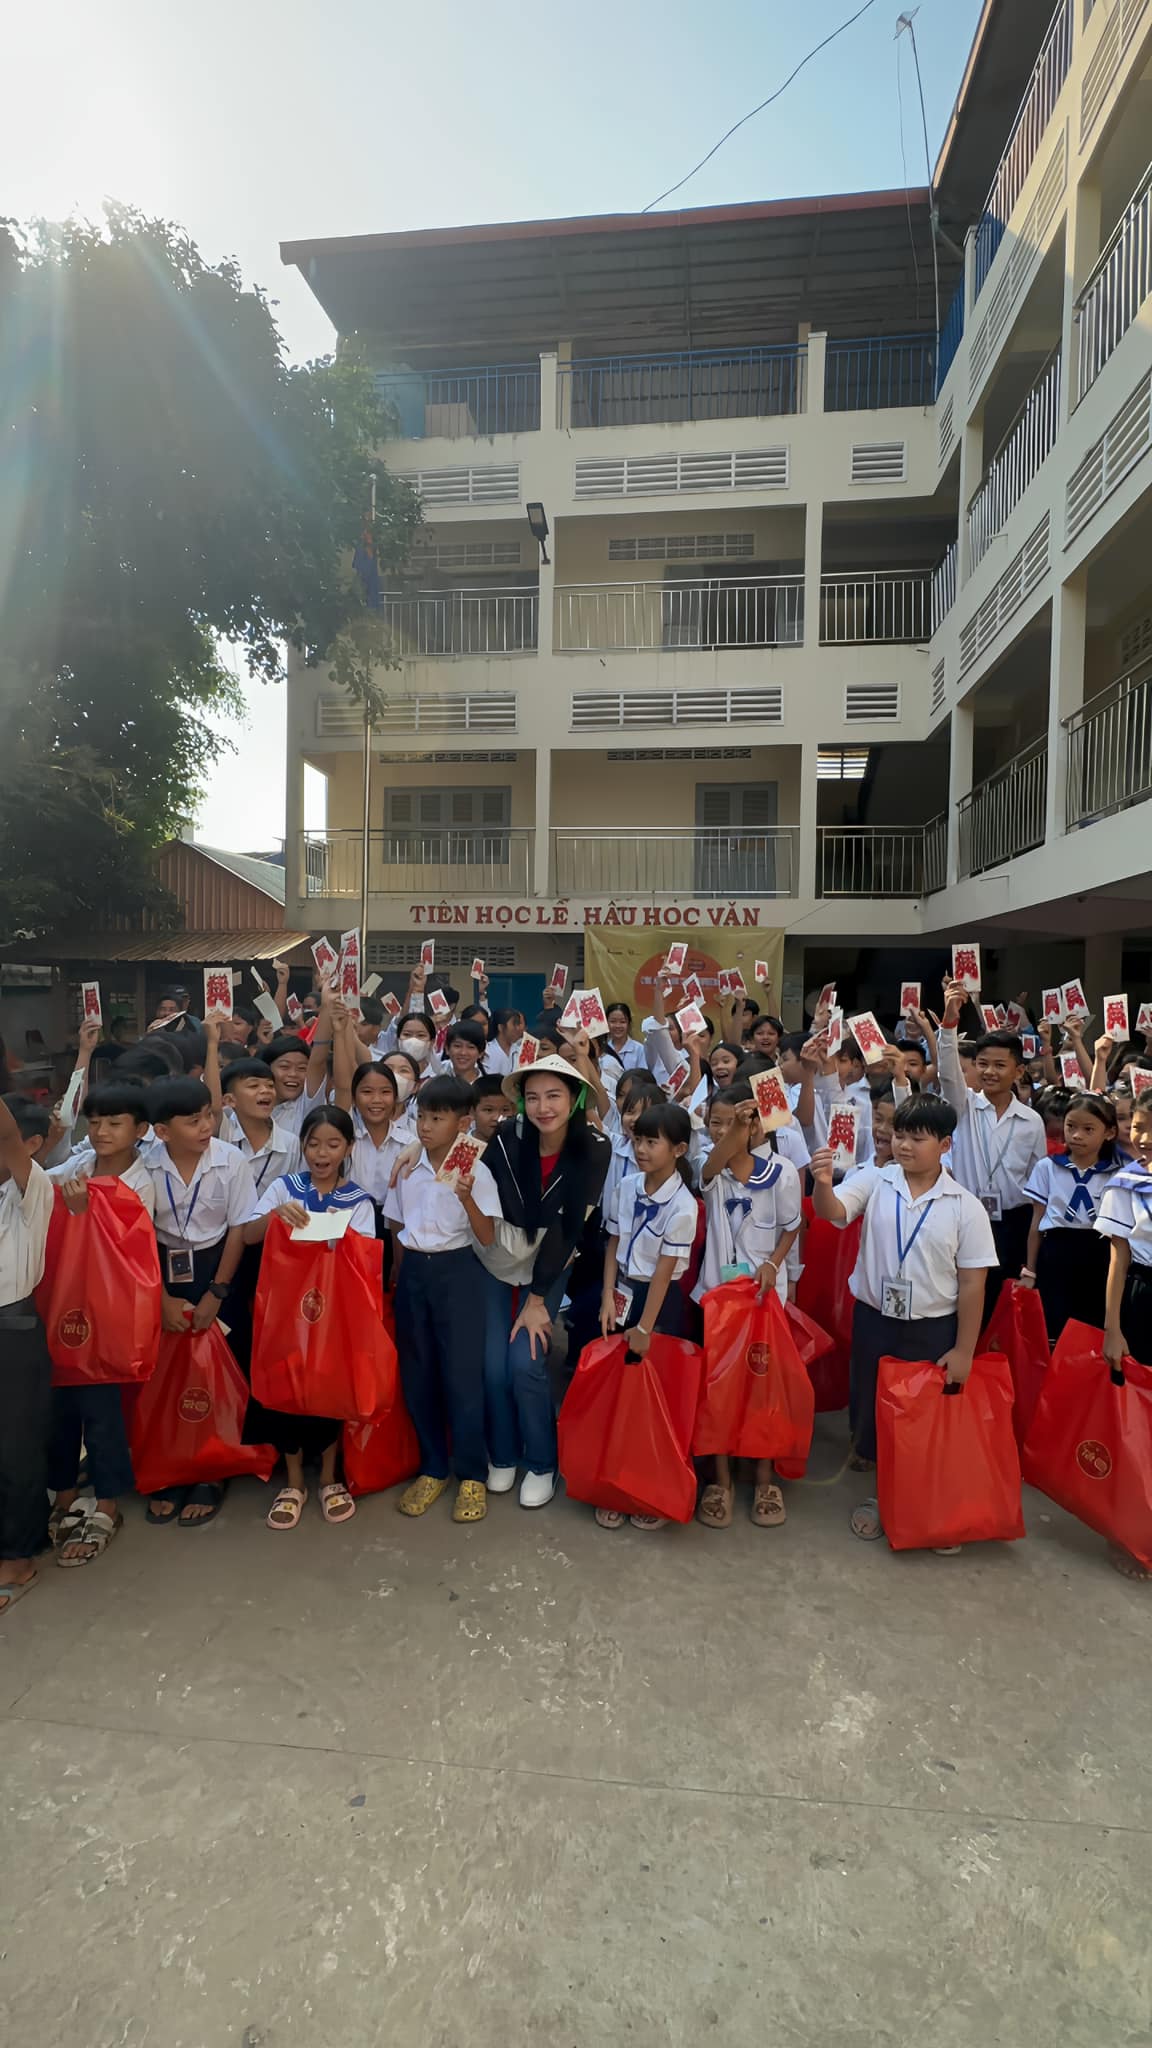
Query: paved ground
[531,1782]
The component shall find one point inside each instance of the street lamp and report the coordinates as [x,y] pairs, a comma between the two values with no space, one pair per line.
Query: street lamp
[538,527]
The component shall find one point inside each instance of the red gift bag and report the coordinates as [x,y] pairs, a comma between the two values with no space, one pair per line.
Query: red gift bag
[184,1423]
[1018,1329]
[823,1293]
[382,1453]
[757,1400]
[1090,1444]
[319,1345]
[812,1343]
[626,1427]
[947,1467]
[99,1299]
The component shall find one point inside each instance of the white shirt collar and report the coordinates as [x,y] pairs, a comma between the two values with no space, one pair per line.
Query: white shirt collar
[663,1194]
[896,1178]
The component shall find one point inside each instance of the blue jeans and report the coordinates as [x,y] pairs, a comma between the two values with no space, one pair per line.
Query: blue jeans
[520,1413]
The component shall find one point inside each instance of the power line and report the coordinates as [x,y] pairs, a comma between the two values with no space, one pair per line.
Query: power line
[908,21]
[764,103]
[904,168]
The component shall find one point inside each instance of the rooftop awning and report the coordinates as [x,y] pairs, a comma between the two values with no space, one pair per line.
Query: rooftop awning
[193,949]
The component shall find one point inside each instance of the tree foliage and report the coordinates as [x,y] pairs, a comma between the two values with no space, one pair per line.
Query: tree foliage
[168,483]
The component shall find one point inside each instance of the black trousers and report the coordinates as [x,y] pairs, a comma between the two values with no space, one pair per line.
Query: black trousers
[875,1337]
[1136,1313]
[25,1423]
[440,1317]
[1072,1278]
[1011,1236]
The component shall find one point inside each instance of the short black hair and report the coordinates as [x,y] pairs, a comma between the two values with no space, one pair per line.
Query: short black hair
[668,1120]
[183,1097]
[32,1119]
[192,1046]
[113,1098]
[777,1024]
[247,1014]
[633,1074]
[152,1059]
[283,1045]
[849,1050]
[793,1041]
[881,1089]
[416,1017]
[444,1091]
[623,1008]
[926,1114]
[736,1092]
[367,1067]
[645,1088]
[1002,1041]
[244,1069]
[750,1003]
[371,1009]
[328,1113]
[967,1048]
[472,1034]
[485,1085]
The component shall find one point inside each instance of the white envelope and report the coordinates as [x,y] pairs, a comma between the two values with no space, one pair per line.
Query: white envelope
[324,1226]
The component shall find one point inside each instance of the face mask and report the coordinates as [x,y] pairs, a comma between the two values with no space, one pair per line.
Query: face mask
[404,1084]
[416,1048]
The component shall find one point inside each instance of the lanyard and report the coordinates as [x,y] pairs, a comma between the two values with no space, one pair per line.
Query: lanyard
[991,1166]
[182,1227]
[903,1249]
[263,1170]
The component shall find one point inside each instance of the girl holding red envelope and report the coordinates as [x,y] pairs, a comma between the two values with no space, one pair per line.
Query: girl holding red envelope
[1067,1258]
[1125,1219]
[326,1138]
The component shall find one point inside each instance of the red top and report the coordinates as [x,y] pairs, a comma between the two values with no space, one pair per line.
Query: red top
[548,1164]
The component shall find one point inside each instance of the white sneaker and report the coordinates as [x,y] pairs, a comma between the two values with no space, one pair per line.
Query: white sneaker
[536,1489]
[501,1478]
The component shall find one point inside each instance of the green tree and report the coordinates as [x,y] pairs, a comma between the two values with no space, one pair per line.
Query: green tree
[168,483]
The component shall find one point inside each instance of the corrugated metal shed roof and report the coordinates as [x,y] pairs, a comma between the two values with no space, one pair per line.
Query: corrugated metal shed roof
[198,948]
[263,874]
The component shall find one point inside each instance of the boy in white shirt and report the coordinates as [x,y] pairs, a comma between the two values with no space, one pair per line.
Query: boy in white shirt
[999,1140]
[925,1249]
[26,1199]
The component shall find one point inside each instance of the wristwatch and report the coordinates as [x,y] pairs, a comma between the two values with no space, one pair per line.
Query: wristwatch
[219,1288]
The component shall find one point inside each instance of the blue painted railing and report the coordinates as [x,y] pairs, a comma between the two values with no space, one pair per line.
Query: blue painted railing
[951,335]
[880,371]
[473,403]
[693,384]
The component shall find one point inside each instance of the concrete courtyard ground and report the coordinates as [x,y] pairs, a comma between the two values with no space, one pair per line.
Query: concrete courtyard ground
[460,1787]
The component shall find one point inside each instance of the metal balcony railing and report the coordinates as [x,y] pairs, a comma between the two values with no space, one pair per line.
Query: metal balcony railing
[674,861]
[1048,75]
[694,384]
[1110,750]
[1004,816]
[880,371]
[951,335]
[483,859]
[870,860]
[467,404]
[936,853]
[873,607]
[440,623]
[1028,441]
[944,588]
[1117,288]
[760,611]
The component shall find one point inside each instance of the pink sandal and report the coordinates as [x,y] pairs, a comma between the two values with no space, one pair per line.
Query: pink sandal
[286,1509]
[333,1497]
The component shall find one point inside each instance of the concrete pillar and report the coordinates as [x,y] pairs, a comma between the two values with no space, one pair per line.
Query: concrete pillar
[971,471]
[542,842]
[959,778]
[813,569]
[1065,692]
[806,862]
[1081,249]
[555,390]
[295,881]
[817,358]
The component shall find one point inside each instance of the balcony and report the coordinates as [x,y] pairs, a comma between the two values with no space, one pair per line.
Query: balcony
[445,624]
[1027,443]
[678,861]
[463,405]
[484,861]
[879,372]
[1004,816]
[1110,750]
[874,607]
[1118,287]
[708,613]
[870,860]
[943,588]
[1044,87]
[632,391]
[951,335]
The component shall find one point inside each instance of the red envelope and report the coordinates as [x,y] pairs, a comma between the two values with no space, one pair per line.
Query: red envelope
[843,1125]
[677,955]
[772,1106]
[966,966]
[461,1160]
[217,991]
[909,997]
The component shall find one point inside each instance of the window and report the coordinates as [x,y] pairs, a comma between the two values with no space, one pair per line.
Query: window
[447,827]
[736,840]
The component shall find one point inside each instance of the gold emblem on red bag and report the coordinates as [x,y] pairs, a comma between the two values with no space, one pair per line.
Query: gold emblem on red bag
[74,1329]
[195,1405]
[759,1358]
[313,1305]
[1094,1459]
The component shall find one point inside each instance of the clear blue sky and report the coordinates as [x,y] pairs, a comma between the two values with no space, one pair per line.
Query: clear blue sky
[251,122]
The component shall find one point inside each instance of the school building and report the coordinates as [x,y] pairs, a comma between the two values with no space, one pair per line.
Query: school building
[841,627]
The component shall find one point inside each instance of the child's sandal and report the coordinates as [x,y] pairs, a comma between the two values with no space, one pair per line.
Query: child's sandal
[715,1509]
[336,1503]
[286,1509]
[92,1539]
[610,1518]
[768,1509]
[648,1521]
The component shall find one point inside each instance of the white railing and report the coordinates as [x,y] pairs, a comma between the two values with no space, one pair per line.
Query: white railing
[936,853]
[944,588]
[872,606]
[870,860]
[1049,73]
[603,618]
[1110,750]
[1117,288]
[674,861]
[1004,816]
[433,624]
[489,860]
[1028,441]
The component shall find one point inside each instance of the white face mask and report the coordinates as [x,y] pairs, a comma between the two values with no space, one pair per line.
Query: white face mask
[404,1084]
[416,1048]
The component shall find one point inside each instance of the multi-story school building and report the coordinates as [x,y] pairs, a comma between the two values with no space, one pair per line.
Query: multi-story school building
[842,628]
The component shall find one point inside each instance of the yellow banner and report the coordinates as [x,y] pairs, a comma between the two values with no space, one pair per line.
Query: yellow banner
[623,964]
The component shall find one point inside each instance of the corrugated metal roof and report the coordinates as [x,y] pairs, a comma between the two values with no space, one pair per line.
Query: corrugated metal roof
[263,874]
[193,949]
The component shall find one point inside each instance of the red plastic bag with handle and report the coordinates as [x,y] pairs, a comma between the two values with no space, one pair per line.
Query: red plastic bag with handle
[382,1453]
[626,1427]
[757,1400]
[1090,1444]
[1018,1329]
[947,1467]
[99,1299]
[823,1293]
[184,1423]
[319,1345]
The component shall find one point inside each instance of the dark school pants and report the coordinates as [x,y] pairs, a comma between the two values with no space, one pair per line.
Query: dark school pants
[25,1422]
[440,1318]
[875,1337]
[1011,1238]
[95,1416]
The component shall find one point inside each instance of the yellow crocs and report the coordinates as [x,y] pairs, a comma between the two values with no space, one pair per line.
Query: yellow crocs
[419,1497]
[471,1501]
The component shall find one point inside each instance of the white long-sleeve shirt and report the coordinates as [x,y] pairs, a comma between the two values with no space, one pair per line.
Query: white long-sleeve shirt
[991,1156]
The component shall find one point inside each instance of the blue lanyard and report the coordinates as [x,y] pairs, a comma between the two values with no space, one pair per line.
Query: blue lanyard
[184,1227]
[263,1170]
[903,1249]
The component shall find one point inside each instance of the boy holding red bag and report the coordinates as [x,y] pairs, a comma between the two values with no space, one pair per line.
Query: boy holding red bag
[925,1247]
[26,1200]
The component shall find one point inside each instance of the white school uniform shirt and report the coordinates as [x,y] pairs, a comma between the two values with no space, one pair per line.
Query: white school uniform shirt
[361,1215]
[197,1213]
[652,1227]
[373,1165]
[660,1055]
[1071,1199]
[621,1163]
[955,1235]
[24,1220]
[747,1219]
[290,1115]
[1126,1212]
[279,1154]
[431,1216]
[630,1054]
[496,1060]
[990,1154]
[82,1164]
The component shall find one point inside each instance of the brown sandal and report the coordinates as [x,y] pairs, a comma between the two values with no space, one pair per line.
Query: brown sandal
[768,1509]
[715,1509]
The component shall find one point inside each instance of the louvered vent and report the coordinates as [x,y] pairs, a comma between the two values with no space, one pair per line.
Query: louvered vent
[604,710]
[682,547]
[947,431]
[499,955]
[493,485]
[937,688]
[871,703]
[879,462]
[338,717]
[469,554]
[639,476]
[1135,643]
[1127,437]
